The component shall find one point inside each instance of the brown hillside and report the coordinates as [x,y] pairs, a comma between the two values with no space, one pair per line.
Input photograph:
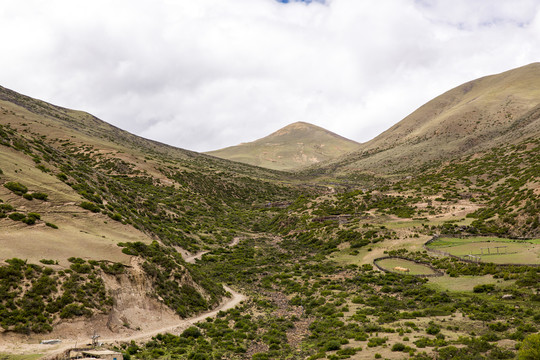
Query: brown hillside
[293,147]
[475,116]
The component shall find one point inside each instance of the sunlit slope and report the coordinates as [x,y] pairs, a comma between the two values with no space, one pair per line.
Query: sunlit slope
[143,190]
[293,147]
[475,116]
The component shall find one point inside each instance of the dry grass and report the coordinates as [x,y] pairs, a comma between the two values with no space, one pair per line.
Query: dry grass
[466,283]
[295,146]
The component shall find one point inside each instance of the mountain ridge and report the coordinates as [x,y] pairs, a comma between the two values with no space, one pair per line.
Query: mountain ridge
[472,117]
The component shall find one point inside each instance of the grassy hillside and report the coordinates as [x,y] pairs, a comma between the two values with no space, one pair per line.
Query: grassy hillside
[475,116]
[90,209]
[75,187]
[291,148]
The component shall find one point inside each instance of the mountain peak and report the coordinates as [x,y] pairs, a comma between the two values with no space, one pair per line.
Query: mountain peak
[292,147]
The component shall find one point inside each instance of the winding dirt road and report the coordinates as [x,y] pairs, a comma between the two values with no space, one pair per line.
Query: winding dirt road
[14,345]
[50,351]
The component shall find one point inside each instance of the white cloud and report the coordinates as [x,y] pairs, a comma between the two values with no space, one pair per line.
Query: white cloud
[206,74]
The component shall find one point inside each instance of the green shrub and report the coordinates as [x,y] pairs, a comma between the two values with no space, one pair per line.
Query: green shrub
[73,310]
[191,331]
[484,288]
[34,215]
[29,220]
[6,207]
[116,217]
[51,225]
[530,348]
[90,206]
[433,329]
[16,216]
[16,187]
[40,196]
[27,196]
[332,345]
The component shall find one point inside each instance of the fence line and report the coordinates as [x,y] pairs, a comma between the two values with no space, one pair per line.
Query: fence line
[437,271]
[440,252]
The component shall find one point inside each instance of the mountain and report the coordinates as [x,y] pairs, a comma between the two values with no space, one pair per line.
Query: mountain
[91,214]
[291,148]
[106,233]
[476,116]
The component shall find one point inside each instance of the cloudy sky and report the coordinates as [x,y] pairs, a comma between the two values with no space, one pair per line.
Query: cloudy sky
[205,74]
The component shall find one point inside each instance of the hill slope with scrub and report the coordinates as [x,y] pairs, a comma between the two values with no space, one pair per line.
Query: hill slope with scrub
[351,259]
[476,116]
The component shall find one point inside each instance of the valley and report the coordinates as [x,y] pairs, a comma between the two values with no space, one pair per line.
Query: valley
[414,245]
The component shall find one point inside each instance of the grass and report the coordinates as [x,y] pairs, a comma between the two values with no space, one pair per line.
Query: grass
[414,268]
[20,357]
[514,251]
[465,283]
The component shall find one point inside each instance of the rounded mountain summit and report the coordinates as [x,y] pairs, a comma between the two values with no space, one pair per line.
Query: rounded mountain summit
[291,148]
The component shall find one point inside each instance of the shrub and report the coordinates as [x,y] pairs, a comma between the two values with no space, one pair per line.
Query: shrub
[116,217]
[51,225]
[332,345]
[16,187]
[191,331]
[433,329]
[34,215]
[40,196]
[530,348]
[6,207]
[27,196]
[398,347]
[17,216]
[90,206]
[484,288]
[73,310]
[29,220]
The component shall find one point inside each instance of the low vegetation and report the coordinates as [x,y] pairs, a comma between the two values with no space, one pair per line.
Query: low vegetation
[308,251]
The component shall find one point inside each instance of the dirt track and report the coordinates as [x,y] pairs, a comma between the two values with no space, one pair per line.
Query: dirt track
[51,350]
[16,344]
[191,259]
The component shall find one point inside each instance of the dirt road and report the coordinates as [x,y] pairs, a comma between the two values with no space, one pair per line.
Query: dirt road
[48,351]
[191,259]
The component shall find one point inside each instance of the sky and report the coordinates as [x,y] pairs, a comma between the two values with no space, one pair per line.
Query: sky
[206,74]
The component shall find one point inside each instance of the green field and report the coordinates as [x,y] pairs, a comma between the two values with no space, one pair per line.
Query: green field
[491,249]
[465,283]
[19,357]
[414,268]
